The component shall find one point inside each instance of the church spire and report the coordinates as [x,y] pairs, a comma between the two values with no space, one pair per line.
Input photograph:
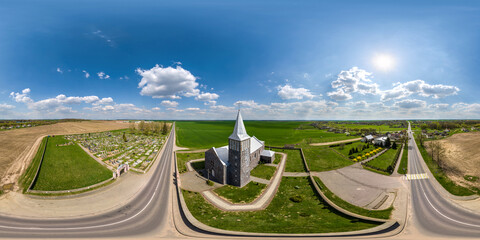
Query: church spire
[239,132]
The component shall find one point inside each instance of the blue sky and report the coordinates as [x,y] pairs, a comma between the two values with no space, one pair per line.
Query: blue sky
[272,59]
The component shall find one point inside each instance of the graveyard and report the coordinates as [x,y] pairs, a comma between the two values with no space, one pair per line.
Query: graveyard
[115,148]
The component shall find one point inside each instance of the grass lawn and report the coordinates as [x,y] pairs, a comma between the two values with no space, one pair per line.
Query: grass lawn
[198,165]
[324,159]
[404,161]
[278,158]
[294,160]
[27,178]
[263,171]
[385,160]
[382,214]
[183,158]
[207,134]
[246,194]
[446,182]
[310,215]
[68,167]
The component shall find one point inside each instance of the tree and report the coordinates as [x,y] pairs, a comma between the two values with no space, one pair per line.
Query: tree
[141,126]
[394,145]
[124,137]
[387,142]
[164,128]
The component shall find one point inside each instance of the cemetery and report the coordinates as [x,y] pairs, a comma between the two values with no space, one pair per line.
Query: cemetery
[117,148]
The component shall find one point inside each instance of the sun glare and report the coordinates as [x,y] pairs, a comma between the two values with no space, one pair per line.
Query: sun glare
[383,62]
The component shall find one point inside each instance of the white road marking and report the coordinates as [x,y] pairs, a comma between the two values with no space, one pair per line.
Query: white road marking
[417,176]
[97,226]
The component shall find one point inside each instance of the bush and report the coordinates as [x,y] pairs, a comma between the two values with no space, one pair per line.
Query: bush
[209,183]
[296,199]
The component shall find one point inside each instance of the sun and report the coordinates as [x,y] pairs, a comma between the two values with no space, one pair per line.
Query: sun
[384,62]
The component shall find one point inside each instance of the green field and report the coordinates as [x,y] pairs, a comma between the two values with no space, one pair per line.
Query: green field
[183,158]
[323,158]
[246,194]
[198,165]
[442,178]
[353,126]
[309,215]
[68,167]
[385,160]
[404,161]
[263,171]
[27,178]
[207,134]
[294,160]
[382,214]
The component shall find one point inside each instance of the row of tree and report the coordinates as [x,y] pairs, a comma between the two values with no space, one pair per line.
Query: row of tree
[150,127]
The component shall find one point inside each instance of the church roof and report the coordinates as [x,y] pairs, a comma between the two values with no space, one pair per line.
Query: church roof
[222,153]
[255,144]
[239,132]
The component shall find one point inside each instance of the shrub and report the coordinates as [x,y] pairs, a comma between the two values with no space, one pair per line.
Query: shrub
[209,183]
[296,199]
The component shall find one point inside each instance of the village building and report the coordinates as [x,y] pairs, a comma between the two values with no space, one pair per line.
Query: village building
[232,164]
[367,139]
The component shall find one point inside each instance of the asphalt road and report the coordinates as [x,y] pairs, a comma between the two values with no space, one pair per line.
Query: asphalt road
[146,212]
[432,213]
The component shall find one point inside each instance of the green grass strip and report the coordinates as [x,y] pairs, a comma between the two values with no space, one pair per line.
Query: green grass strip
[183,158]
[403,168]
[29,175]
[381,214]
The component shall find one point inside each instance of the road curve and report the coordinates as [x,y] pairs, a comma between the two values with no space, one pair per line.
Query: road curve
[433,213]
[145,213]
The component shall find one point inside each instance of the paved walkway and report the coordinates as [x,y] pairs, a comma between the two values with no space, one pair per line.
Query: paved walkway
[295,174]
[336,142]
[360,187]
[395,173]
[260,203]
[259,180]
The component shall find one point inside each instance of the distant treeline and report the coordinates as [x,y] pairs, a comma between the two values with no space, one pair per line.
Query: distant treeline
[445,124]
[150,127]
[21,122]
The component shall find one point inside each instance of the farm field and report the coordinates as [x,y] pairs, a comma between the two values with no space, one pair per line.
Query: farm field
[121,147]
[66,166]
[324,159]
[207,134]
[296,208]
[17,145]
[362,148]
[379,128]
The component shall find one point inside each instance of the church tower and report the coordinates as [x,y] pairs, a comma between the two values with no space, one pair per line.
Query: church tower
[239,154]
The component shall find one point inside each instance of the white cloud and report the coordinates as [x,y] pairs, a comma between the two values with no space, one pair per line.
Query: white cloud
[410,104]
[156,109]
[22,97]
[288,92]
[192,109]
[359,104]
[103,36]
[339,95]
[168,103]
[206,96]
[5,107]
[350,81]
[87,75]
[402,90]
[59,70]
[439,106]
[210,103]
[103,101]
[467,108]
[103,75]
[160,82]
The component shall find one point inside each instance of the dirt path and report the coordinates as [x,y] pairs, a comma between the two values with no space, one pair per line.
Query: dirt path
[336,142]
[18,147]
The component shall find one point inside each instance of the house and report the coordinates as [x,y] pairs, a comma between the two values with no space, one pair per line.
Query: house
[232,164]
[367,139]
[381,141]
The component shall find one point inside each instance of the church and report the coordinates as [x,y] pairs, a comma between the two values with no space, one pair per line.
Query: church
[232,164]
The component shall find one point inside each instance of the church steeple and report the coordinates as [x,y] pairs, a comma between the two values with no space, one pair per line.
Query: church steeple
[239,132]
